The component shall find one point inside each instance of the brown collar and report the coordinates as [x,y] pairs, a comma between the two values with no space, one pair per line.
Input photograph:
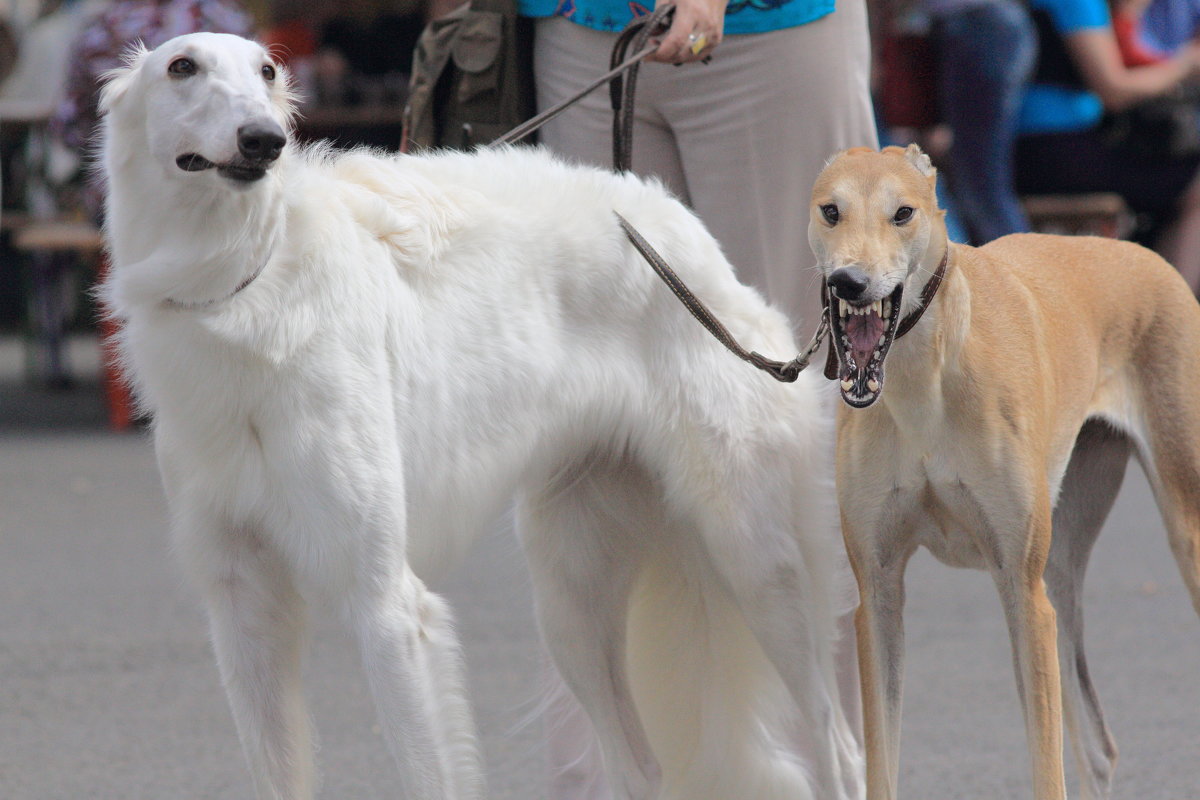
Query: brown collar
[906,324]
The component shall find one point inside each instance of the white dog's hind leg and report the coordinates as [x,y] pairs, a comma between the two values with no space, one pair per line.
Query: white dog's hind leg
[583,565]
[258,623]
[1089,487]
[415,670]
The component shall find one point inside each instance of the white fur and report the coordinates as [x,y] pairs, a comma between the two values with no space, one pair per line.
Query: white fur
[428,338]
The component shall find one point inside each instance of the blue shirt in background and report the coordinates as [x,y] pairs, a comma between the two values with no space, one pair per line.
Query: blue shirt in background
[1059,109]
[741,16]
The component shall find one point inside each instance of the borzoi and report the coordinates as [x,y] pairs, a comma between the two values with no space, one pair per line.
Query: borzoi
[354,360]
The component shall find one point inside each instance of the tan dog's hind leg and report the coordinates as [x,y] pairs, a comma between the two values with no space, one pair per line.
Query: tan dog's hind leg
[1089,488]
[1031,627]
[879,625]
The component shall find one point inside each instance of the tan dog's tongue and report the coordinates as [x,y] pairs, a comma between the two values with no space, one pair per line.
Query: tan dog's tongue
[864,331]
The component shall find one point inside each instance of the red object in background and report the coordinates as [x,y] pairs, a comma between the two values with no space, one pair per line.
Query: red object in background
[908,83]
[290,40]
[116,390]
[1133,52]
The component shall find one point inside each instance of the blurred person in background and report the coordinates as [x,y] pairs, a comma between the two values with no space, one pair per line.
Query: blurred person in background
[1063,149]
[100,48]
[740,139]
[985,52]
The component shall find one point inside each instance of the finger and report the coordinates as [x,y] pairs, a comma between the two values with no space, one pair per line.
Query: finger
[674,46]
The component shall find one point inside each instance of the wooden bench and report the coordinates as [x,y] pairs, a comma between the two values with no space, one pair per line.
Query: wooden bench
[1094,214]
[54,249]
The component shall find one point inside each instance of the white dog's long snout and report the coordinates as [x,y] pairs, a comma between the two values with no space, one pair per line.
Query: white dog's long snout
[261,141]
[259,145]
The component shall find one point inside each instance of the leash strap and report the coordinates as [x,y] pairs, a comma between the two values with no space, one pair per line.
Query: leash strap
[621,91]
[786,372]
[622,80]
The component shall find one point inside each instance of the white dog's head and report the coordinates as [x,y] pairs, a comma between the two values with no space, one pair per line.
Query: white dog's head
[204,106]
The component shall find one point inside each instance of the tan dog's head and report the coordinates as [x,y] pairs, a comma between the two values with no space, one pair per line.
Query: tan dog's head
[878,234]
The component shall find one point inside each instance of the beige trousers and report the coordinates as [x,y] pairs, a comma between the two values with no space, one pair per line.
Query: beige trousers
[740,139]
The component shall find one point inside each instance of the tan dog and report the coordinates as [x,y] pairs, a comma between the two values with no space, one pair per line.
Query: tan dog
[1009,411]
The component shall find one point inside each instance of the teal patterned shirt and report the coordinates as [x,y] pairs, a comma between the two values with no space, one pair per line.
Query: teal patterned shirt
[741,16]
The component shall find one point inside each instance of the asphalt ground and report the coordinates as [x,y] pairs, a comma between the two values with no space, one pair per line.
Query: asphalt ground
[108,689]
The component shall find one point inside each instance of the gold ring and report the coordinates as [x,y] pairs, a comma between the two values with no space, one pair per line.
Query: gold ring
[698,42]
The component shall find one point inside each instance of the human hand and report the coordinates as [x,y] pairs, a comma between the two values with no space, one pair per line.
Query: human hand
[696,29]
[1190,53]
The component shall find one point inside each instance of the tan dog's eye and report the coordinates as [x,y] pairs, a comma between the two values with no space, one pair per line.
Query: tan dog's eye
[830,212]
[268,73]
[903,215]
[182,68]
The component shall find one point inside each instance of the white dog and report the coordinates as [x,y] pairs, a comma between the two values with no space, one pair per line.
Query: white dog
[354,360]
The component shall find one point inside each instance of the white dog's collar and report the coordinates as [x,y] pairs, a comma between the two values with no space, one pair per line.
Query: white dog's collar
[182,306]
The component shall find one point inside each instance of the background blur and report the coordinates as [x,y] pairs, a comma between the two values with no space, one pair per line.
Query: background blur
[107,685]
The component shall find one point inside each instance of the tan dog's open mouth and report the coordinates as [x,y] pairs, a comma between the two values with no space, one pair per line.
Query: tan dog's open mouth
[862,335]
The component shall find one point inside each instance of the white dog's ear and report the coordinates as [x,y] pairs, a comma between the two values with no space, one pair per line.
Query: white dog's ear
[920,160]
[116,82]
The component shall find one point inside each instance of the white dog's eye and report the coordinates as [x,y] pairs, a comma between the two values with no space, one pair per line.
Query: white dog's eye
[903,215]
[182,67]
[830,212]
[268,73]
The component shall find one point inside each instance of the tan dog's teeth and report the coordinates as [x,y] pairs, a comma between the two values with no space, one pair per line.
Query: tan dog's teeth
[843,308]
[877,307]
[873,385]
[847,385]
[887,307]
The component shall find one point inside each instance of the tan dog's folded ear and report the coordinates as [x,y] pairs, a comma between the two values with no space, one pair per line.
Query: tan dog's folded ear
[920,160]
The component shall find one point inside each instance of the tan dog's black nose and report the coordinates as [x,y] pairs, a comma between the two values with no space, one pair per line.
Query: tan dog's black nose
[849,283]
[261,142]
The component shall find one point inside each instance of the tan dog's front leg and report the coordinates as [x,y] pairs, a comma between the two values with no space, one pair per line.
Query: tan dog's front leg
[879,626]
[1032,628]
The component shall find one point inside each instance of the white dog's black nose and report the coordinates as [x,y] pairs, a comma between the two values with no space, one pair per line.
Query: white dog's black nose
[261,142]
[849,283]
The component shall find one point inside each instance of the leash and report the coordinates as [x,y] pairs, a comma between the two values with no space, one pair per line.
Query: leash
[621,90]
[786,372]
[622,80]
[621,93]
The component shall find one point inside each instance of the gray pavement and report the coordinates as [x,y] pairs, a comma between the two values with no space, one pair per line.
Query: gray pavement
[108,689]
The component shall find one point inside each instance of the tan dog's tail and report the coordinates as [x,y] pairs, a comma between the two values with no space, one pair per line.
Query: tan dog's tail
[712,705]
[1170,407]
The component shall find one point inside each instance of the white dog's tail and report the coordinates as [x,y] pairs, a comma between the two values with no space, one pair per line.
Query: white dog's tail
[714,709]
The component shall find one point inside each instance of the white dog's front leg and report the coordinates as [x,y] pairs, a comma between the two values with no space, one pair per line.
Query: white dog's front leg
[258,625]
[415,669]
